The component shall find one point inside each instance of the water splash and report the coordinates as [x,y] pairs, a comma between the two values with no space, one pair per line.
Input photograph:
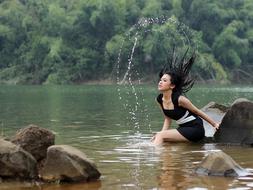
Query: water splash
[129,83]
[129,79]
[128,74]
[2,129]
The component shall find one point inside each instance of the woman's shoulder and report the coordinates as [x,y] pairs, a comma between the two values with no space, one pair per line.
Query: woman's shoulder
[175,97]
[159,98]
[183,100]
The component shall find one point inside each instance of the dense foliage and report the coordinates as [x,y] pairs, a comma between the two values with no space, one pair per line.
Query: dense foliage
[74,41]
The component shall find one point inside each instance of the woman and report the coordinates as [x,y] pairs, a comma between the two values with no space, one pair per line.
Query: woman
[174,82]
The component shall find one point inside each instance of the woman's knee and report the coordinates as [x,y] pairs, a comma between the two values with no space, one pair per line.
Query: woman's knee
[171,135]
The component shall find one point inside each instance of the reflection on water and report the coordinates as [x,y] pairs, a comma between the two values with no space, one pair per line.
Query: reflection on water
[90,118]
[54,186]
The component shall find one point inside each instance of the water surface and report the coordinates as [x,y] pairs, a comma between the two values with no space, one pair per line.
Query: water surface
[108,127]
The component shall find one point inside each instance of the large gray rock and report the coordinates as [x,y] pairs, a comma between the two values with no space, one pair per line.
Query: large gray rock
[66,163]
[219,164]
[216,112]
[237,124]
[34,140]
[16,162]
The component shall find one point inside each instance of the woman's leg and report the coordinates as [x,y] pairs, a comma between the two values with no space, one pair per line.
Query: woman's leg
[171,135]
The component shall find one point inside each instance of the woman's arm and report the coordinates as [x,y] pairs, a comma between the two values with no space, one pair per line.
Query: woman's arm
[186,103]
[167,120]
[166,123]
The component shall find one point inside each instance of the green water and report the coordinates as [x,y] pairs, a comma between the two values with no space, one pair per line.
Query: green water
[113,125]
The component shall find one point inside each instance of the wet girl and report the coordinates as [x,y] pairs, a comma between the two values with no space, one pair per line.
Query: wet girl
[174,82]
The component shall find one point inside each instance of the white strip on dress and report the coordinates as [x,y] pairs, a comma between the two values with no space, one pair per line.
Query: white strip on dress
[185,119]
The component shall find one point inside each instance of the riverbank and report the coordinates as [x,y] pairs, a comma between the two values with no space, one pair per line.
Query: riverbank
[109,81]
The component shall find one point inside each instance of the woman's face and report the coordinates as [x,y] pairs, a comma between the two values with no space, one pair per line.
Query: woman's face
[165,83]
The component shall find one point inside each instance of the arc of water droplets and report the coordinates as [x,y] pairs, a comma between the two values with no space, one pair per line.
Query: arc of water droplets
[130,62]
[142,24]
[133,89]
[132,112]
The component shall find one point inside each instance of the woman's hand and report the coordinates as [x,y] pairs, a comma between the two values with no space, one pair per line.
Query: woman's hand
[216,126]
[153,138]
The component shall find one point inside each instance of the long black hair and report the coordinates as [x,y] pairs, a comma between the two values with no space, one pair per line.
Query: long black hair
[179,71]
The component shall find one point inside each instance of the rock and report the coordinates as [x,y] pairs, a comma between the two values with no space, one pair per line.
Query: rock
[34,140]
[239,100]
[220,164]
[66,163]
[213,106]
[5,138]
[16,162]
[237,124]
[216,112]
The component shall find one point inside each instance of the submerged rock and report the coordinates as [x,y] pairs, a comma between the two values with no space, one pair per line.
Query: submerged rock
[34,140]
[237,124]
[16,162]
[219,164]
[66,163]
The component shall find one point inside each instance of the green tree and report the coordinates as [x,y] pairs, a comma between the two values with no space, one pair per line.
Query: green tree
[229,47]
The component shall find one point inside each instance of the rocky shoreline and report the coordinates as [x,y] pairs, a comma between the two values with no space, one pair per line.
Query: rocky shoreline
[32,155]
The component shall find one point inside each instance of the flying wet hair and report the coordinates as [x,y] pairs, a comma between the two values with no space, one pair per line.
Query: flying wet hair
[179,71]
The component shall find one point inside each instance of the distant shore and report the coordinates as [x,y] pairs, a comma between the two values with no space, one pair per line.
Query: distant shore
[135,82]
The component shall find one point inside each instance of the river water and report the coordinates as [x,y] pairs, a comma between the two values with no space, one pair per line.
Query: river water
[98,120]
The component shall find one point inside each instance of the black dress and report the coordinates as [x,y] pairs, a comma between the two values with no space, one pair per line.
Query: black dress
[190,125]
